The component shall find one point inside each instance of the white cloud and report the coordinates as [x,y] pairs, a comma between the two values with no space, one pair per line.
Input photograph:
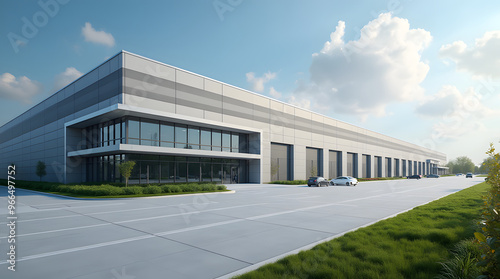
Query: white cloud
[481,60]
[98,37]
[21,89]
[273,93]
[259,82]
[455,113]
[66,77]
[363,76]
[300,102]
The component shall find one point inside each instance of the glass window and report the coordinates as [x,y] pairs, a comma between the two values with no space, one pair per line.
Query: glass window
[194,137]
[133,141]
[95,136]
[217,172]
[243,144]
[167,132]
[135,174]
[150,133]
[235,142]
[89,137]
[101,132]
[180,171]
[105,134]
[111,132]
[117,170]
[167,158]
[193,172]
[167,172]
[180,136]
[216,140]
[149,172]
[133,129]
[226,141]
[124,133]
[206,171]
[118,133]
[206,139]
[166,144]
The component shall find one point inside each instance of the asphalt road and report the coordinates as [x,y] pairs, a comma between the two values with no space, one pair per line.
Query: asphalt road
[200,236]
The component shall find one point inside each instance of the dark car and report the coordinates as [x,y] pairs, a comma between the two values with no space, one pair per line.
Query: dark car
[317,181]
[415,176]
[468,175]
[432,176]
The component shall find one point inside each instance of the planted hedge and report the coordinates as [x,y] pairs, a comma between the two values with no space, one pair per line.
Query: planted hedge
[289,182]
[103,190]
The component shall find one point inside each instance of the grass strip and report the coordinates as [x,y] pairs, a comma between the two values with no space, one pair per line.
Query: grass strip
[410,245]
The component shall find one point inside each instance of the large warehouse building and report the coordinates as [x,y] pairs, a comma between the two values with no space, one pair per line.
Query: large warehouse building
[179,126]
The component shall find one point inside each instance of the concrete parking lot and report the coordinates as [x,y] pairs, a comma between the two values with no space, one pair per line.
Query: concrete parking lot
[198,236]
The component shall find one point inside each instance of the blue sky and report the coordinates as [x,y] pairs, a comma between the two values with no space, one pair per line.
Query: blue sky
[427,72]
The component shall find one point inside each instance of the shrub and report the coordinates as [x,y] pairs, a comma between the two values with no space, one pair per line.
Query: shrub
[152,190]
[175,189]
[133,190]
[489,237]
[190,187]
[208,187]
[221,187]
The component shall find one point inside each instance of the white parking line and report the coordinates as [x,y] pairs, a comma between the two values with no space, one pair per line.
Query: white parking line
[61,230]
[103,212]
[73,207]
[136,220]
[186,213]
[60,203]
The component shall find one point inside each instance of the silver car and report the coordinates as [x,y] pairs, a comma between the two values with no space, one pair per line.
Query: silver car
[344,180]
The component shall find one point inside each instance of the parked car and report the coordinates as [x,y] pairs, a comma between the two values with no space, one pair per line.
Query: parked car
[415,176]
[432,176]
[344,180]
[468,175]
[317,181]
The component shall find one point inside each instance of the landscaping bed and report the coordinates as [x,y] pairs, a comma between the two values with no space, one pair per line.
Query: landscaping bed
[118,190]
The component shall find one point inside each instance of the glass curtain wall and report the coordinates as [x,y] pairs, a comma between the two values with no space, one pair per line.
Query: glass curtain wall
[151,169]
[139,131]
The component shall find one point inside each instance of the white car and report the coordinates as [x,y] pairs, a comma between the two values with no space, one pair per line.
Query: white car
[344,180]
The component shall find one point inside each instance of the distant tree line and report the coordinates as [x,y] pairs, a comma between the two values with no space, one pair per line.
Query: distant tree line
[464,164]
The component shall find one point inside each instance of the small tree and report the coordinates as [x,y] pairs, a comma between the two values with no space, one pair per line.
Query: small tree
[126,170]
[275,167]
[41,169]
[489,237]
[314,170]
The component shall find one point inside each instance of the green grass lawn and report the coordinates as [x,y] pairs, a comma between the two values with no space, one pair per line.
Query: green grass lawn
[410,245]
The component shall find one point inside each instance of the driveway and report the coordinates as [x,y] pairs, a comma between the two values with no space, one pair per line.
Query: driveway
[198,236]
